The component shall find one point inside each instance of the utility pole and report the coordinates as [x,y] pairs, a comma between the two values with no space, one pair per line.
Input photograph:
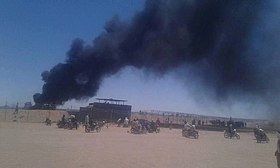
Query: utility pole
[16,113]
[6,110]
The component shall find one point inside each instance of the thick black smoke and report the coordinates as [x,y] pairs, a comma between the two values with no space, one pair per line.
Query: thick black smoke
[223,40]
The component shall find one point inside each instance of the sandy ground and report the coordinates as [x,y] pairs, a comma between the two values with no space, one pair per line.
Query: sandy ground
[30,145]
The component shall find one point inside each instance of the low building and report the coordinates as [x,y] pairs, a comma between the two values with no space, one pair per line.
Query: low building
[106,109]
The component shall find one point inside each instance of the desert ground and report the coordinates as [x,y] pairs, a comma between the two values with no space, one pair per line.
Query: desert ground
[33,145]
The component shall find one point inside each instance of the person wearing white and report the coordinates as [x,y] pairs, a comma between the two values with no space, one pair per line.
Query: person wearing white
[187,126]
[126,121]
[87,119]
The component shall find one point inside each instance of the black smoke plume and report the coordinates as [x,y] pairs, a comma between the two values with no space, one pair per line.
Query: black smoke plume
[228,43]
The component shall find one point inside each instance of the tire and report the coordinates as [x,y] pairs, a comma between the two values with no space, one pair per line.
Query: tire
[87,130]
[196,135]
[266,139]
[187,134]
[237,136]
[144,131]
[98,129]
[157,130]
[226,135]
[184,133]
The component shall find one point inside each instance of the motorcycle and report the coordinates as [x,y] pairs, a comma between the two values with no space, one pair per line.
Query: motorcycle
[92,126]
[60,124]
[231,135]
[138,129]
[48,122]
[71,124]
[260,135]
[153,128]
[190,133]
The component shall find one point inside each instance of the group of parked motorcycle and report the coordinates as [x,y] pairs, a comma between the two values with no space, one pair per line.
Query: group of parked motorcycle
[144,126]
[93,126]
[69,123]
[72,123]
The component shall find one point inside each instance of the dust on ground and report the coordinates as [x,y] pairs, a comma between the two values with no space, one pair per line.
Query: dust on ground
[33,145]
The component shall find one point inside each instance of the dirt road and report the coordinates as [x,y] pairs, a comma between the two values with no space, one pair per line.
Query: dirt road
[33,145]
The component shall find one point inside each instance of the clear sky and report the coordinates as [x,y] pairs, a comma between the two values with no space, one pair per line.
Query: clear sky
[36,34]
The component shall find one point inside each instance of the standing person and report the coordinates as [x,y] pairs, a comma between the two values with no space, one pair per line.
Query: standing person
[87,120]
[126,121]
[63,119]
[277,153]
[119,122]
[170,125]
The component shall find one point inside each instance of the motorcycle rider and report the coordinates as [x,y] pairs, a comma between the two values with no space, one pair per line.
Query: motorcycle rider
[230,130]
[153,125]
[133,124]
[63,120]
[73,121]
[126,121]
[187,126]
[119,122]
[158,122]
[138,125]
[48,121]
[260,132]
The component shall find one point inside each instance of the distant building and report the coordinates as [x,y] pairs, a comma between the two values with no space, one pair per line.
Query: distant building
[27,105]
[105,109]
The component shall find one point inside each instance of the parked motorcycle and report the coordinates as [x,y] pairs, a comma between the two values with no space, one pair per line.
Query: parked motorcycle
[153,128]
[138,129]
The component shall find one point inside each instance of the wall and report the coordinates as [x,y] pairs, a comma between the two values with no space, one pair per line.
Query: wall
[30,115]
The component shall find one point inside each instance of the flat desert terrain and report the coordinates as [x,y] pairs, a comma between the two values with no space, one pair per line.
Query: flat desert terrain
[34,145]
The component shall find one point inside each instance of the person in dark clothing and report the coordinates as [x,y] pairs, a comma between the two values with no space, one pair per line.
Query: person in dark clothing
[63,119]
[157,122]
[230,130]
[153,125]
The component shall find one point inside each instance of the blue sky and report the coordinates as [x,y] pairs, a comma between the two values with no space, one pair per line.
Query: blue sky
[36,34]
